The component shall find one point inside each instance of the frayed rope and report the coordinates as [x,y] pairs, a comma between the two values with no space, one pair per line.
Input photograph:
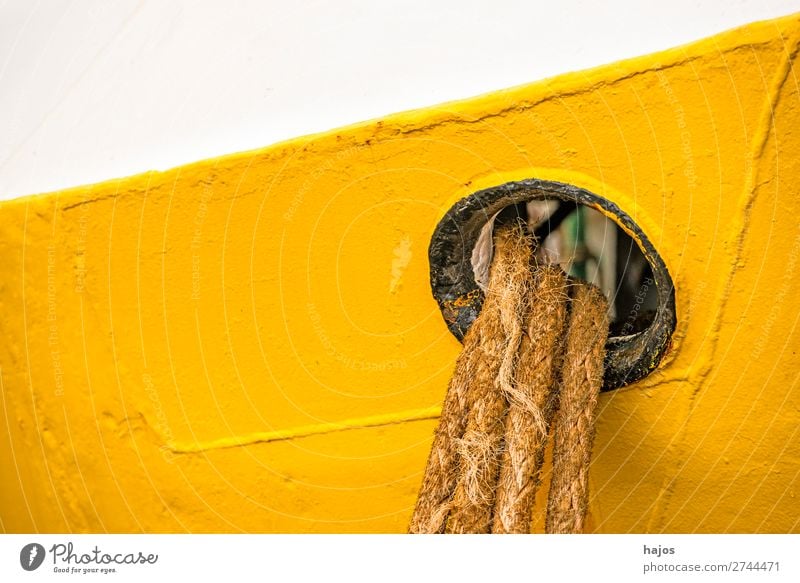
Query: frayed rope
[531,360]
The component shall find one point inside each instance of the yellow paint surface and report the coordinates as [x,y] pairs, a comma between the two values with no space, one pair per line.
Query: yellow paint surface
[250,343]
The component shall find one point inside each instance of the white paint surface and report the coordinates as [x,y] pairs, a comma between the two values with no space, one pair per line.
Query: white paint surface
[91,90]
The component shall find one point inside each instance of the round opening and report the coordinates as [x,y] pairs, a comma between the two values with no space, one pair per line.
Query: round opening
[591,237]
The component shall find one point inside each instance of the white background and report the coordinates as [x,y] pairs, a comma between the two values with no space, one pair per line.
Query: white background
[97,89]
[418,559]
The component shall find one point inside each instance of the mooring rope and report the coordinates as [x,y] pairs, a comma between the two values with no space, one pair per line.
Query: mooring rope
[517,372]
[531,403]
[581,378]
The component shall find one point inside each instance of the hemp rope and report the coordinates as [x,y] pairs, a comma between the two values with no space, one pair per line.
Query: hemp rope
[477,368]
[532,404]
[485,462]
[581,378]
[480,447]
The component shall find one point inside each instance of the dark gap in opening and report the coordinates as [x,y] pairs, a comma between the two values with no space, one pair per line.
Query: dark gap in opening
[592,247]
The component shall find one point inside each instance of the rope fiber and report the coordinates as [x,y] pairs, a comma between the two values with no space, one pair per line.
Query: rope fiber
[532,359]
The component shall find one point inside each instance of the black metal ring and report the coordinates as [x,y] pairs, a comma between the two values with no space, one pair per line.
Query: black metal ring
[628,358]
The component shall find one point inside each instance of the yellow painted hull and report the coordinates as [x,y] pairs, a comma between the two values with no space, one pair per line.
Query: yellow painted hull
[249,343]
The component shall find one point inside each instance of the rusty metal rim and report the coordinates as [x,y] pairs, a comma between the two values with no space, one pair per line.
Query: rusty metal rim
[628,358]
